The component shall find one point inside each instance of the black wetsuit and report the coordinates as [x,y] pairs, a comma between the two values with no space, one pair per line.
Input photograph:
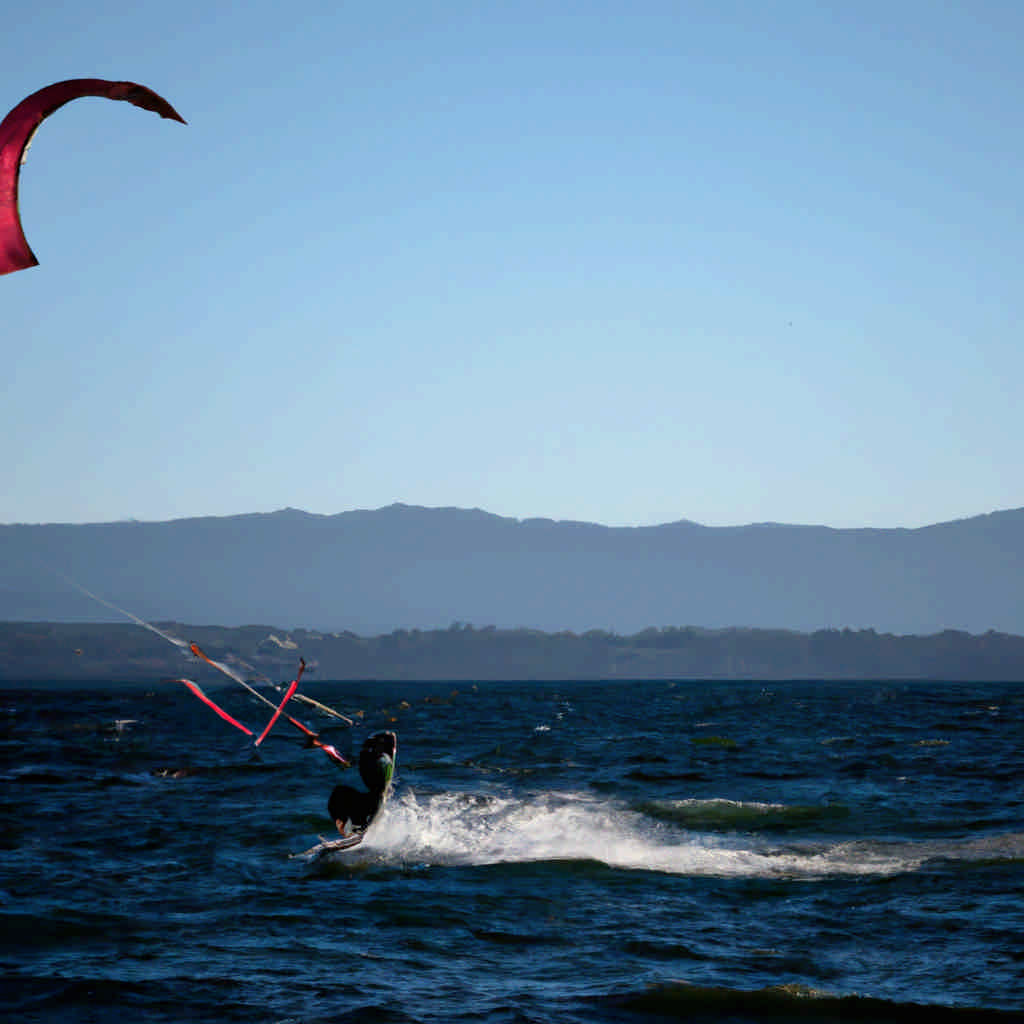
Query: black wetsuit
[376,763]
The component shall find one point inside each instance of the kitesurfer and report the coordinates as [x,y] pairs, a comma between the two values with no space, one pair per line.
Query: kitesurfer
[352,810]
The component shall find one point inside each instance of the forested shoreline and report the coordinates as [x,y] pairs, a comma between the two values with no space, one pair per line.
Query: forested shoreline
[38,652]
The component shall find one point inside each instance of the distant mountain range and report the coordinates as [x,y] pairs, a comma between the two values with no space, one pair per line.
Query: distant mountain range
[372,572]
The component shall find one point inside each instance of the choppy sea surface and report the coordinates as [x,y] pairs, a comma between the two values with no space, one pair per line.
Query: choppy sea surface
[552,852]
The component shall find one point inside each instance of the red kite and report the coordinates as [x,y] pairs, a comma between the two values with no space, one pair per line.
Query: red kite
[16,133]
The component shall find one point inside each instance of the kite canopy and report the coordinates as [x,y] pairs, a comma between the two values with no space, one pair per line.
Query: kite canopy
[16,133]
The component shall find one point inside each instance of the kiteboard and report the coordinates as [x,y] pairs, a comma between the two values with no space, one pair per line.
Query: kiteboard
[326,846]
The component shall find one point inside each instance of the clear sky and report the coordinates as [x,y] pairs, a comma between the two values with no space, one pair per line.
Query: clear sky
[619,262]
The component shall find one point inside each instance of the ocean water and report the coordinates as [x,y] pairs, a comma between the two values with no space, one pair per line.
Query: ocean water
[552,852]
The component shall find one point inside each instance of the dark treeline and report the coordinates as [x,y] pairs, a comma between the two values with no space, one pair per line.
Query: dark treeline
[33,652]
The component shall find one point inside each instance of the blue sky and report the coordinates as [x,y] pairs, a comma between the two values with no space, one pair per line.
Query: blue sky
[619,262]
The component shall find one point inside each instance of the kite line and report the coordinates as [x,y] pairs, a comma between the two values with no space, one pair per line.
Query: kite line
[312,738]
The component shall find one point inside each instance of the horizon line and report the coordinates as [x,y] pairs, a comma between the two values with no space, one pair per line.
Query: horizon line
[520,520]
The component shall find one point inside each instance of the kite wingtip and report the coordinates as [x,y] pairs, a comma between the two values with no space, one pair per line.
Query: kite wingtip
[14,264]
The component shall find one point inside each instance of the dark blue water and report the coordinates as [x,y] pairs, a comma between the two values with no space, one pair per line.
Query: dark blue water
[551,852]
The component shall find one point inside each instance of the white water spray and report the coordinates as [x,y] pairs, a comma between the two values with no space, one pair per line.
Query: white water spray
[462,828]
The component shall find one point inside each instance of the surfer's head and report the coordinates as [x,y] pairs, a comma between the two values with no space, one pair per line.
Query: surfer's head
[377,760]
